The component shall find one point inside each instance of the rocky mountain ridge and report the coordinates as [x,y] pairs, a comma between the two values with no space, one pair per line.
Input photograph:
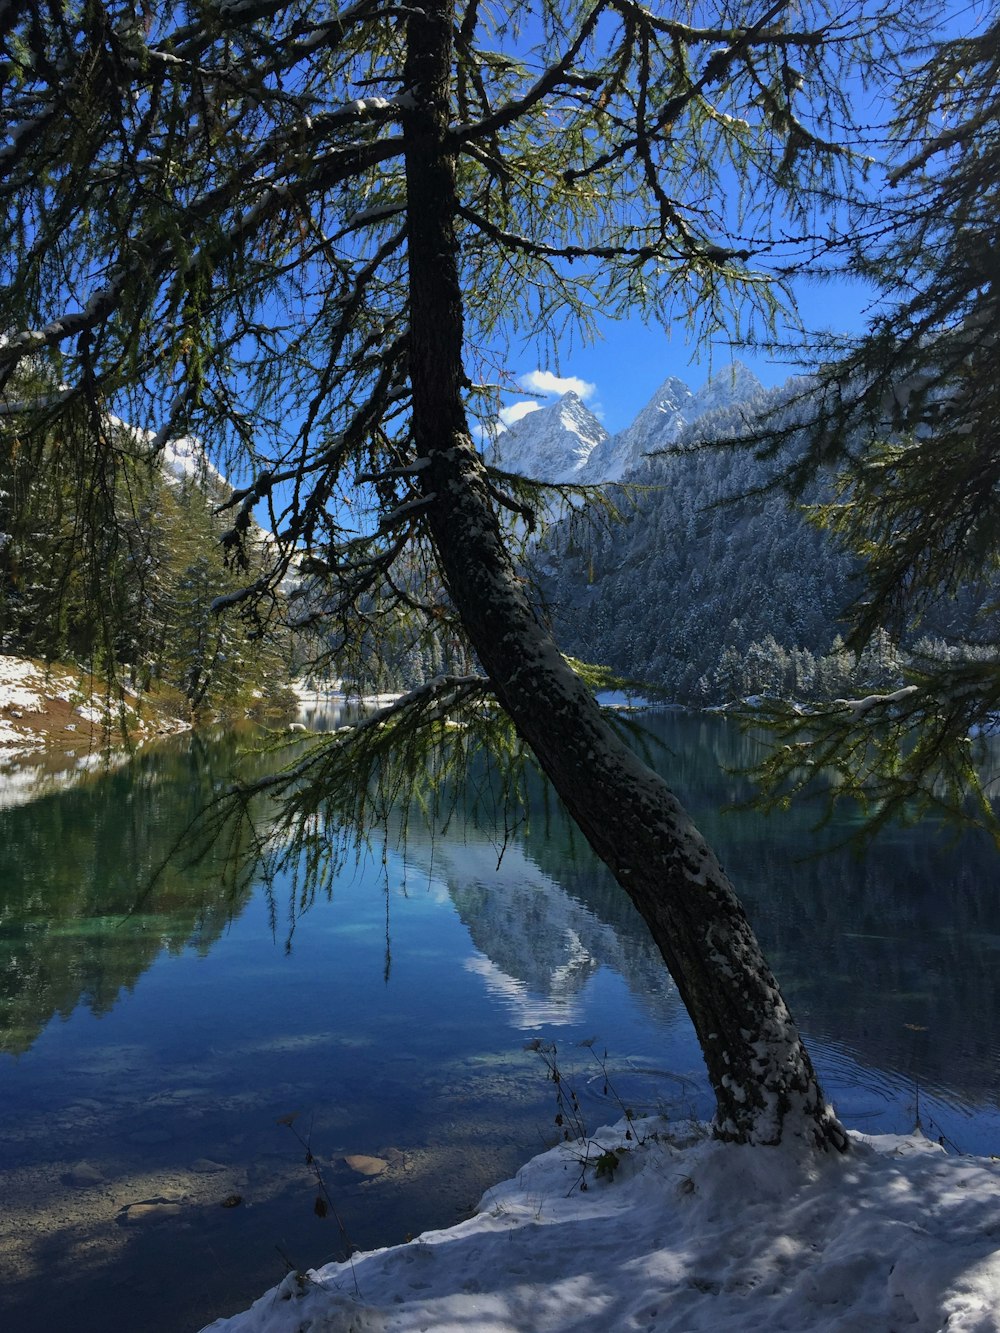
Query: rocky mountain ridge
[565,442]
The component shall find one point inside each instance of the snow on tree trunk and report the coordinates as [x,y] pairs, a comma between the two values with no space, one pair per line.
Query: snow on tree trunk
[765,1087]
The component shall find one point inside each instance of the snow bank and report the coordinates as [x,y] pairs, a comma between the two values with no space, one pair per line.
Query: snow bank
[19,693]
[681,1233]
[65,708]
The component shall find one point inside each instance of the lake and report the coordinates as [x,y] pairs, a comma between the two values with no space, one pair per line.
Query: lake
[184,1072]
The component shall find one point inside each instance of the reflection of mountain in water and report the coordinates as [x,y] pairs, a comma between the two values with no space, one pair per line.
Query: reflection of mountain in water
[46,774]
[538,945]
[893,955]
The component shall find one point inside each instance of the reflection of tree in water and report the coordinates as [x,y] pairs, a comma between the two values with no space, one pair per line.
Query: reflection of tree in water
[75,924]
[896,956]
[894,953]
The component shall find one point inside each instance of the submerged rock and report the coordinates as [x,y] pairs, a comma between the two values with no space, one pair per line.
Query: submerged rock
[366,1166]
[83,1175]
[151,1210]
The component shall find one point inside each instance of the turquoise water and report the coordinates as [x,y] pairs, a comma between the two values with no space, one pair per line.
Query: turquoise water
[152,1054]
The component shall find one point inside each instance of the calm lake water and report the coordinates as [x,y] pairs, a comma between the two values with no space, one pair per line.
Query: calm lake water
[151,1052]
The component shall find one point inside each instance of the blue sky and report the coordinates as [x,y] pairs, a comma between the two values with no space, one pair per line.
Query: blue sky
[623,369]
[618,375]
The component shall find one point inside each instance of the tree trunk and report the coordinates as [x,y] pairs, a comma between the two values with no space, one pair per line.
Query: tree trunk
[764,1083]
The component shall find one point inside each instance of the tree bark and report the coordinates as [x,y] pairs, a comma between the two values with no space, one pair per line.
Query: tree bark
[764,1083]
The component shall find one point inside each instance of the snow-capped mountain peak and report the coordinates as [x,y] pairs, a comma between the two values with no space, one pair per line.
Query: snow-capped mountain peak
[670,410]
[550,444]
[565,442]
[733,384]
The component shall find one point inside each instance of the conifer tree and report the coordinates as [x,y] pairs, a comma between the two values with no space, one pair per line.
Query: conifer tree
[303,235]
[908,416]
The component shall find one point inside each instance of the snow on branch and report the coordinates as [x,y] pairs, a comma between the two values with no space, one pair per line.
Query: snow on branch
[759,34]
[220,604]
[101,304]
[367,216]
[551,79]
[408,470]
[402,513]
[858,708]
[22,406]
[20,135]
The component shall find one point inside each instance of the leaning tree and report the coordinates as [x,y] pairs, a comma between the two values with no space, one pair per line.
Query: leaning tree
[306,236]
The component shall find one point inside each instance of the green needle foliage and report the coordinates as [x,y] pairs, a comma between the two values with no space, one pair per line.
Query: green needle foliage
[908,417]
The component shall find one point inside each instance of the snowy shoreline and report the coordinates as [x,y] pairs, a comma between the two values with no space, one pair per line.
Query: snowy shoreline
[50,706]
[670,1230]
[57,723]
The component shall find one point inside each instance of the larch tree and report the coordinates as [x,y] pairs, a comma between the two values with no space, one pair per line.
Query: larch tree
[305,236]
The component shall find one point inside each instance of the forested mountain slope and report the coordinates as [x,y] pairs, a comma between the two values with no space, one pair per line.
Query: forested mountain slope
[120,573]
[708,587]
[714,585]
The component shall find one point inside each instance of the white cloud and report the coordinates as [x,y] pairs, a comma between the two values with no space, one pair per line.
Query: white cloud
[543,381]
[508,415]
